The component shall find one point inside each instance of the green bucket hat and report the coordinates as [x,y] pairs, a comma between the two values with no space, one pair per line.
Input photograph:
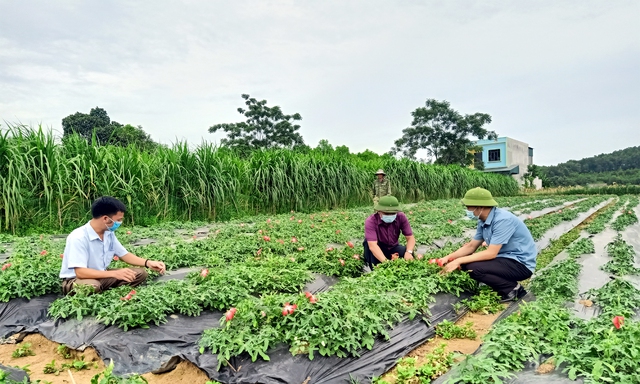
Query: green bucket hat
[479,197]
[387,204]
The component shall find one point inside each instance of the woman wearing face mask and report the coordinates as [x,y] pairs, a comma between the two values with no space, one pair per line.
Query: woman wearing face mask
[382,231]
[511,252]
[91,248]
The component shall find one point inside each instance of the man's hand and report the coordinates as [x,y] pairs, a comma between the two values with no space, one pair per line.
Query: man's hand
[157,266]
[442,261]
[451,266]
[125,274]
[408,256]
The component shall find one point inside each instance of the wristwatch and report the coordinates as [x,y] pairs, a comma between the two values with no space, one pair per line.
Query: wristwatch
[410,251]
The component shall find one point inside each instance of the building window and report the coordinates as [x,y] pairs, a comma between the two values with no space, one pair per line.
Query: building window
[530,152]
[478,157]
[494,155]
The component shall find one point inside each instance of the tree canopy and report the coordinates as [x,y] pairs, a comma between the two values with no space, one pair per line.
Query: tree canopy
[444,133]
[621,167]
[265,127]
[106,131]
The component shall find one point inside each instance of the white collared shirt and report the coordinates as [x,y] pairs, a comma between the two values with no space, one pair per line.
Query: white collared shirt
[85,249]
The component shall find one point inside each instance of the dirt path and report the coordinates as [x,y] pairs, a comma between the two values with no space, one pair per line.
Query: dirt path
[46,351]
[481,324]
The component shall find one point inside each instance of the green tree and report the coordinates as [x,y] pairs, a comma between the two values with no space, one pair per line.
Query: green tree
[534,171]
[265,127]
[444,133]
[106,131]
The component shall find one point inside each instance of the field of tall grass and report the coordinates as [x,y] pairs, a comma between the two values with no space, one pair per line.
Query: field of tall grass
[48,184]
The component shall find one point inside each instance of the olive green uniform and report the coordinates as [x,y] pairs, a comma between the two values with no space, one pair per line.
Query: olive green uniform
[381,188]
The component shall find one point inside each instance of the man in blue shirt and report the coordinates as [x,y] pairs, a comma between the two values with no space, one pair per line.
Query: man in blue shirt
[91,248]
[511,252]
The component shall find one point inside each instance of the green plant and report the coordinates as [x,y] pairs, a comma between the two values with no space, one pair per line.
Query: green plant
[63,351]
[23,351]
[51,368]
[78,365]
[581,247]
[622,258]
[107,377]
[449,330]
[486,301]
[435,364]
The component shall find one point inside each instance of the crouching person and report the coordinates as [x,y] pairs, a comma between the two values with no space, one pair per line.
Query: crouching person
[382,231]
[90,249]
[511,253]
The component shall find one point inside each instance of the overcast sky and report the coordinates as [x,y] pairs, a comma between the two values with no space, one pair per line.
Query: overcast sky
[563,76]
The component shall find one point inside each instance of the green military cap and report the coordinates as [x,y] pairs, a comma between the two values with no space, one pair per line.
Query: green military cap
[479,197]
[387,204]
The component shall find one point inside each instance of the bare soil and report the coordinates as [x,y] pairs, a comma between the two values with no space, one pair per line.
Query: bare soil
[46,351]
[481,324]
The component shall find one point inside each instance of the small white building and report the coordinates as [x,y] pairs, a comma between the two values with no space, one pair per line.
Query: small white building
[507,156]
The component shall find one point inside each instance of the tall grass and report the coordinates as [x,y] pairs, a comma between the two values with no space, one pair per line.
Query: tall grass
[48,184]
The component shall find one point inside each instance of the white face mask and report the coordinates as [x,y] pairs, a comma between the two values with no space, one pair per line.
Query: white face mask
[389,218]
[472,215]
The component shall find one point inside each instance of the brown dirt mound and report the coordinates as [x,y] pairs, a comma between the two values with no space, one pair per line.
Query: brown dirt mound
[46,351]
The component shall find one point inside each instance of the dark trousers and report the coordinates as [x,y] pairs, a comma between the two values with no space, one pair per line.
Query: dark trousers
[501,274]
[101,285]
[388,251]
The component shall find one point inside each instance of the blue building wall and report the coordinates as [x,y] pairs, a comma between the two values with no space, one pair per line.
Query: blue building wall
[501,144]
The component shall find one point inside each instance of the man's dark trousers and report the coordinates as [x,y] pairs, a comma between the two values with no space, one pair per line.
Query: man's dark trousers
[501,274]
[388,251]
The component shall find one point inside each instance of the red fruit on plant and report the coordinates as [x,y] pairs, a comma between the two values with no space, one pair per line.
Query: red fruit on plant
[299,221]
[395,256]
[329,249]
[133,292]
[530,217]
[313,299]
[268,220]
[440,262]
[618,321]
[266,238]
[342,262]
[116,258]
[263,314]
[44,252]
[313,226]
[288,309]
[419,256]
[432,261]
[560,211]
[349,244]
[292,259]
[62,255]
[6,266]
[308,294]
[194,237]
[259,251]
[128,232]
[450,221]
[230,314]
[411,212]
[128,297]
[260,232]
[204,273]
[291,218]
[357,257]
[294,240]
[337,231]
[301,249]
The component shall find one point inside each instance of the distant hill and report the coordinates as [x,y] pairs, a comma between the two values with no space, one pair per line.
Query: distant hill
[621,167]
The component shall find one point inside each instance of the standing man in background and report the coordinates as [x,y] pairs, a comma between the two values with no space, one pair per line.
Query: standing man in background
[381,186]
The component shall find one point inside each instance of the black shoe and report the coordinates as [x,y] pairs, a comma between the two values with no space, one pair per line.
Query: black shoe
[516,294]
